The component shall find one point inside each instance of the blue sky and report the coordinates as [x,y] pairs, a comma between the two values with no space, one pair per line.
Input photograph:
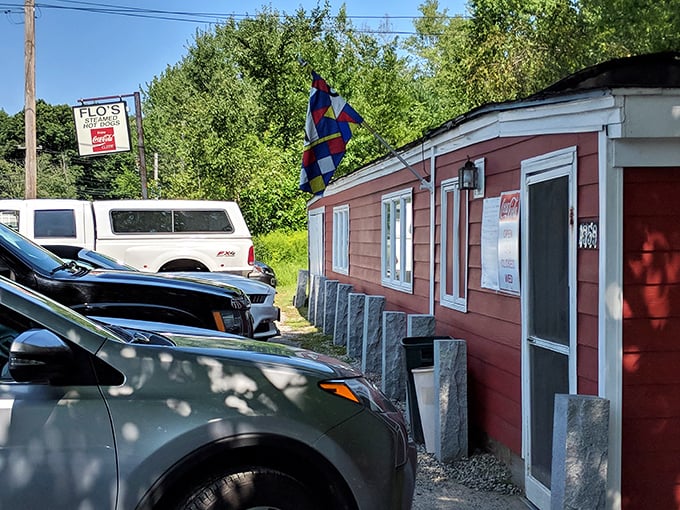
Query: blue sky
[83,54]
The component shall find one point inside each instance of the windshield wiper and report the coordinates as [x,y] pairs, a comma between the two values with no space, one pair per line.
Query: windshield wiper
[66,265]
[73,265]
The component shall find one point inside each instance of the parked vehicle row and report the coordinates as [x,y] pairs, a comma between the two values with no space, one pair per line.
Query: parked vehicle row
[265,313]
[150,235]
[128,390]
[116,416]
[127,294]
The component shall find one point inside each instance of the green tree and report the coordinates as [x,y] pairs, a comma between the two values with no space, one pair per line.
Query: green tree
[228,120]
[61,172]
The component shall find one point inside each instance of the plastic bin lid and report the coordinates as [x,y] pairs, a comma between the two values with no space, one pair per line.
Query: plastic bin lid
[422,340]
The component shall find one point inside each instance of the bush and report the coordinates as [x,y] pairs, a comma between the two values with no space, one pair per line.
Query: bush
[285,252]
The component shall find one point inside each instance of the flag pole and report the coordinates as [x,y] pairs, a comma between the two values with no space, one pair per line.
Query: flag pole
[423,183]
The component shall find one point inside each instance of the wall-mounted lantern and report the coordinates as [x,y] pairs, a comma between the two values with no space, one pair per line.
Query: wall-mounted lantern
[467,176]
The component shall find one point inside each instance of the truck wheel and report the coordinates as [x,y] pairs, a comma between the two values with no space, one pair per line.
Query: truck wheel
[252,489]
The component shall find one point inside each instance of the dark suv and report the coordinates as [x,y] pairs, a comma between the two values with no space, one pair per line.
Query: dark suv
[143,296]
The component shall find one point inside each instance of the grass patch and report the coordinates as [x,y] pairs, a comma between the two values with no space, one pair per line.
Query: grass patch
[307,334]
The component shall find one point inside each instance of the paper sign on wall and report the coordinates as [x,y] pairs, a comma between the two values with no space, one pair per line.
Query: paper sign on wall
[508,242]
[490,243]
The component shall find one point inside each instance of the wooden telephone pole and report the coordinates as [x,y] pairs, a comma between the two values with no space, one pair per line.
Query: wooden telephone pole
[29,99]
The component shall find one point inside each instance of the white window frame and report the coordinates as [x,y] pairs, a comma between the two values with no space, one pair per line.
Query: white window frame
[397,276]
[453,203]
[341,239]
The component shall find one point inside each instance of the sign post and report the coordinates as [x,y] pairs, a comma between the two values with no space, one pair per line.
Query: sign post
[102,128]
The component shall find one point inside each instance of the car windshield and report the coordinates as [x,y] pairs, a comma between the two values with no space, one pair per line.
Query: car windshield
[102,261]
[37,257]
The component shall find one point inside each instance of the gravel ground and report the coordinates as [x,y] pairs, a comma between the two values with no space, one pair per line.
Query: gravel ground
[480,482]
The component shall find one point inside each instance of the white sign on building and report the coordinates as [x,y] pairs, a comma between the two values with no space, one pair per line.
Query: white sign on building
[102,128]
[508,242]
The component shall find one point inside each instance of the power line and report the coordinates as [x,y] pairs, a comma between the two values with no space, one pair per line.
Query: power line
[196,17]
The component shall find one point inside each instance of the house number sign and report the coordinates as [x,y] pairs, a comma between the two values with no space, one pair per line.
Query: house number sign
[587,235]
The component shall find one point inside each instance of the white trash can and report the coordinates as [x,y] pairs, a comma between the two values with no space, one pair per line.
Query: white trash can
[424,383]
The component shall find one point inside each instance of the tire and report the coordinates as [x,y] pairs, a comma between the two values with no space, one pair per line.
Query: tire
[253,489]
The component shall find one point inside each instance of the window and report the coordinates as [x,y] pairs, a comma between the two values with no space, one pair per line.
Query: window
[10,218]
[454,246]
[341,239]
[397,241]
[55,223]
[171,221]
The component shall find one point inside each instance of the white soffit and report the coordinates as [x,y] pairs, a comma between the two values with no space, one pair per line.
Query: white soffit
[590,112]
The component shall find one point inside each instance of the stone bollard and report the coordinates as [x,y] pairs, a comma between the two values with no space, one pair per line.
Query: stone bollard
[420,325]
[371,357]
[580,453]
[311,301]
[393,382]
[301,290]
[341,306]
[355,324]
[450,396]
[319,299]
[330,303]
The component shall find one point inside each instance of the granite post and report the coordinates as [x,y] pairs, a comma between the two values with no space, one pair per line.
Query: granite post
[371,357]
[330,302]
[311,301]
[580,453]
[355,324]
[340,329]
[301,289]
[420,325]
[320,296]
[393,382]
[450,397]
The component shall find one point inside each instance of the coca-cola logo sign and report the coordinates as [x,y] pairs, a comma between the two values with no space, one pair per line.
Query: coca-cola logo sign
[102,128]
[103,139]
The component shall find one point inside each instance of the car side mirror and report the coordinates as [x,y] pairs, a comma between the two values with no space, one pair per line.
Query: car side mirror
[39,355]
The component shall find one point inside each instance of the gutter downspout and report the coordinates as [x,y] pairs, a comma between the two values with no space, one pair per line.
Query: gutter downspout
[433,154]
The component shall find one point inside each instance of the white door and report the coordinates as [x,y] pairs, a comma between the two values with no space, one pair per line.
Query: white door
[315,233]
[548,308]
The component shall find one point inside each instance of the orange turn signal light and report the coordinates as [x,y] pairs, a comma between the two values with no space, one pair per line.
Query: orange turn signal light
[340,389]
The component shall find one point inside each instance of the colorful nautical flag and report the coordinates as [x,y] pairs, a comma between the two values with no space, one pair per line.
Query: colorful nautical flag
[330,121]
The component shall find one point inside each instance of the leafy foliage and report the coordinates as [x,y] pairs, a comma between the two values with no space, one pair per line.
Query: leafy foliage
[61,172]
[227,121]
[285,252]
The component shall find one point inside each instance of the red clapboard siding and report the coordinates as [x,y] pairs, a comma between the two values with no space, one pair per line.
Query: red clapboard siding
[492,324]
[587,363]
[666,404]
[588,266]
[651,333]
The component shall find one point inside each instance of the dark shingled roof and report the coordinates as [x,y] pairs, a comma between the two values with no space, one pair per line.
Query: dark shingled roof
[653,70]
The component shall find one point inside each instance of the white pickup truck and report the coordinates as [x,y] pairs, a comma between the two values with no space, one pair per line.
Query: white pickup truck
[150,235]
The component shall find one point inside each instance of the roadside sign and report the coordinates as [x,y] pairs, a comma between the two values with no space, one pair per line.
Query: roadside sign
[102,128]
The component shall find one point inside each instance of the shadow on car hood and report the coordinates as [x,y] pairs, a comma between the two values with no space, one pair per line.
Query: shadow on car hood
[264,352]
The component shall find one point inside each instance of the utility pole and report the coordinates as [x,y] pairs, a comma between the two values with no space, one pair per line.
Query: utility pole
[140,145]
[31,161]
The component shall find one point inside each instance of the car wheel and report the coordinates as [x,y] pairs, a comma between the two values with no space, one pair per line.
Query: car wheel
[253,489]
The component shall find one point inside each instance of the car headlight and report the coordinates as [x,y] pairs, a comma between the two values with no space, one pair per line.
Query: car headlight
[363,392]
[229,321]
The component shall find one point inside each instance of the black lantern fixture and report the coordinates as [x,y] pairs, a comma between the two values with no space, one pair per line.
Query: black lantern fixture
[467,176]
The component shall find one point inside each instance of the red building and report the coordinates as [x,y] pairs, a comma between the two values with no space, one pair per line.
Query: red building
[561,269]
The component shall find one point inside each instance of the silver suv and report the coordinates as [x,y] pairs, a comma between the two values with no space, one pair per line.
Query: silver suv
[91,418]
